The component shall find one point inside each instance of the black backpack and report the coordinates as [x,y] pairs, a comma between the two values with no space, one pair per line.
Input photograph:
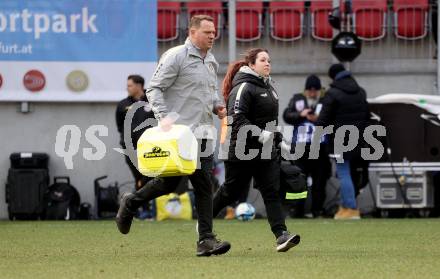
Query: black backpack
[293,183]
[62,200]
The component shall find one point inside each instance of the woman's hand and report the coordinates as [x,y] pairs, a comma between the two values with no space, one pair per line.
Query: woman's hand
[220,110]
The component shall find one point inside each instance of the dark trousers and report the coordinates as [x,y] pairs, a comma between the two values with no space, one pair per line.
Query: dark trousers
[359,173]
[319,170]
[267,180]
[139,178]
[202,184]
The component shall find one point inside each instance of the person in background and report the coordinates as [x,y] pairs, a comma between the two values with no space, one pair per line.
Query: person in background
[302,112]
[136,93]
[345,103]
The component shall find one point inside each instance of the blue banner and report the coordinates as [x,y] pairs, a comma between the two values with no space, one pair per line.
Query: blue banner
[78,30]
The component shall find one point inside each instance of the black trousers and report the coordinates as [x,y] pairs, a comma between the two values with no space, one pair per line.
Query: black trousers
[266,174]
[359,173]
[139,178]
[202,184]
[320,171]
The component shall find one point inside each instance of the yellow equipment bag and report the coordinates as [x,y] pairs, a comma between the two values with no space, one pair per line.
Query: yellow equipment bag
[173,206]
[170,153]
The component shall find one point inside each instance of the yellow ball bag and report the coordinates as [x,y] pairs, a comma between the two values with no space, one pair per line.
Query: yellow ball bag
[170,153]
[173,206]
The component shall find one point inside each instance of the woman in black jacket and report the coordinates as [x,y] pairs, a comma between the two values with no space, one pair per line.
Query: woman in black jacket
[302,112]
[252,103]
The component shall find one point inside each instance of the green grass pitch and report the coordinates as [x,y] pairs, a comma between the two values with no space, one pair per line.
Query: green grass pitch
[370,248]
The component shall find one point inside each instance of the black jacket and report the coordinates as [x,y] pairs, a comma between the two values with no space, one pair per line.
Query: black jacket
[140,116]
[252,101]
[345,103]
[292,114]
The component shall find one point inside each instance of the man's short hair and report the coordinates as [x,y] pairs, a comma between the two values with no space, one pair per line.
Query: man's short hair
[137,79]
[197,20]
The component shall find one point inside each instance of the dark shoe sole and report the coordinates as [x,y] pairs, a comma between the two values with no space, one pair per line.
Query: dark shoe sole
[219,251]
[290,243]
[123,225]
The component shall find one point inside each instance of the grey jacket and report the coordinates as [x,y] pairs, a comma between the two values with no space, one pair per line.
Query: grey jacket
[185,83]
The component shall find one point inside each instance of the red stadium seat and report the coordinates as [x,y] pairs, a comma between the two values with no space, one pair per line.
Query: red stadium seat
[248,20]
[410,19]
[286,20]
[319,11]
[211,8]
[369,18]
[167,20]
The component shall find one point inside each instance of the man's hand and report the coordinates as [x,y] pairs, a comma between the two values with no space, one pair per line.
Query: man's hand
[305,112]
[166,122]
[312,117]
[220,110]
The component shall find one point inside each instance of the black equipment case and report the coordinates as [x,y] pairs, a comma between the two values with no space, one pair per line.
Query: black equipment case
[28,179]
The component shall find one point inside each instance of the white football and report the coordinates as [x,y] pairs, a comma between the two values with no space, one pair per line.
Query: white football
[245,211]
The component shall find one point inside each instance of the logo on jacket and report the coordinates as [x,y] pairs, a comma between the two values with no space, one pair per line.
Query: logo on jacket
[211,68]
[263,95]
[156,152]
[299,105]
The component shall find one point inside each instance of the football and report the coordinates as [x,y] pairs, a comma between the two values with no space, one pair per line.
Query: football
[245,211]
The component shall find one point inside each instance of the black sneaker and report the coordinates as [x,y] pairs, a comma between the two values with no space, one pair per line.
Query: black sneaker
[124,218]
[287,241]
[212,246]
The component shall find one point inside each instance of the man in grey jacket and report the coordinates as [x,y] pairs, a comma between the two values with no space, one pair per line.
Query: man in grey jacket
[185,84]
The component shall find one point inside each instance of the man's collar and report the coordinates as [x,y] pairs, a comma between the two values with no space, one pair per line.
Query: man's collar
[190,44]
[195,50]
[342,75]
[141,98]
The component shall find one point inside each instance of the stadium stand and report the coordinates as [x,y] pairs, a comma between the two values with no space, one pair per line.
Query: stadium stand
[249,20]
[410,19]
[211,8]
[168,20]
[319,11]
[369,19]
[286,20]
